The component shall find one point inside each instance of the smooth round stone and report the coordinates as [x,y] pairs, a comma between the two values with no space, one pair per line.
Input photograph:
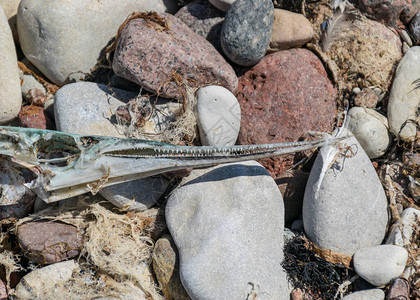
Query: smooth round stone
[223,5]
[63,43]
[219,116]
[404,98]
[87,108]
[380,264]
[246,31]
[138,195]
[370,129]
[402,231]
[227,223]
[10,92]
[373,294]
[345,206]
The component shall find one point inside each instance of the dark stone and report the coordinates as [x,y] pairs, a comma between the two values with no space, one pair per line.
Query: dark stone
[246,31]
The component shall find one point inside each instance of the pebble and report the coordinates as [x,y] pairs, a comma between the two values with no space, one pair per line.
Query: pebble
[406,38]
[402,231]
[229,237]
[219,116]
[87,108]
[10,92]
[359,219]
[370,129]
[405,48]
[290,30]
[223,5]
[43,279]
[366,98]
[372,294]
[380,264]
[32,116]
[48,242]
[10,8]
[404,98]
[166,267]
[74,40]
[149,57]
[278,104]
[204,19]
[137,195]
[30,85]
[399,289]
[246,31]
[415,27]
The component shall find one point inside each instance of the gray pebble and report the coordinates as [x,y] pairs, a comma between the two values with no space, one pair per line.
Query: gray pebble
[373,294]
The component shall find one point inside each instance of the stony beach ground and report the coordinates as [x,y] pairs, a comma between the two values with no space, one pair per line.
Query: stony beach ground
[339,222]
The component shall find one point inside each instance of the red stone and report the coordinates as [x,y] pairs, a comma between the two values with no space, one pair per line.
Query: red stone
[284,96]
[32,116]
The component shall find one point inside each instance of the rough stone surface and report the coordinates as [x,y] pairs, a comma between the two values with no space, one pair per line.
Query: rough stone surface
[43,279]
[10,8]
[366,98]
[246,31]
[49,242]
[10,93]
[227,222]
[415,27]
[289,30]
[136,195]
[149,55]
[218,116]
[393,13]
[32,116]
[204,19]
[380,264]
[373,294]
[371,130]
[87,108]
[345,206]
[64,43]
[166,267]
[404,98]
[292,185]
[402,231]
[279,104]
[223,5]
[399,289]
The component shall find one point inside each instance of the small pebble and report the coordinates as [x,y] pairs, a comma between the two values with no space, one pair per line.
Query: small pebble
[356,90]
[366,98]
[405,48]
[399,289]
[373,294]
[402,231]
[380,264]
[223,5]
[406,38]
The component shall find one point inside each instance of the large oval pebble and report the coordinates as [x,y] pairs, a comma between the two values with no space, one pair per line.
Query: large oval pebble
[219,116]
[246,31]
[404,98]
[345,206]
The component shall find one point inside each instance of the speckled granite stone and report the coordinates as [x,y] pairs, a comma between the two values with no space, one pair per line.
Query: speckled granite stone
[246,31]
[148,54]
[204,19]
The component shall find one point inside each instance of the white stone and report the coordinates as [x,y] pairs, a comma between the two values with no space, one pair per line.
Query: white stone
[219,116]
[223,5]
[64,39]
[345,206]
[10,93]
[380,264]
[227,223]
[404,98]
[10,8]
[373,294]
[44,279]
[371,130]
[402,231]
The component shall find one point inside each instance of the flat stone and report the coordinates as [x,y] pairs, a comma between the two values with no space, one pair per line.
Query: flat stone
[345,206]
[404,98]
[49,242]
[150,54]
[136,195]
[166,267]
[289,30]
[65,44]
[280,104]
[223,5]
[219,116]
[227,223]
[372,294]
[88,108]
[246,31]
[380,264]
[10,92]
[204,19]
[43,279]
[402,231]
[371,130]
